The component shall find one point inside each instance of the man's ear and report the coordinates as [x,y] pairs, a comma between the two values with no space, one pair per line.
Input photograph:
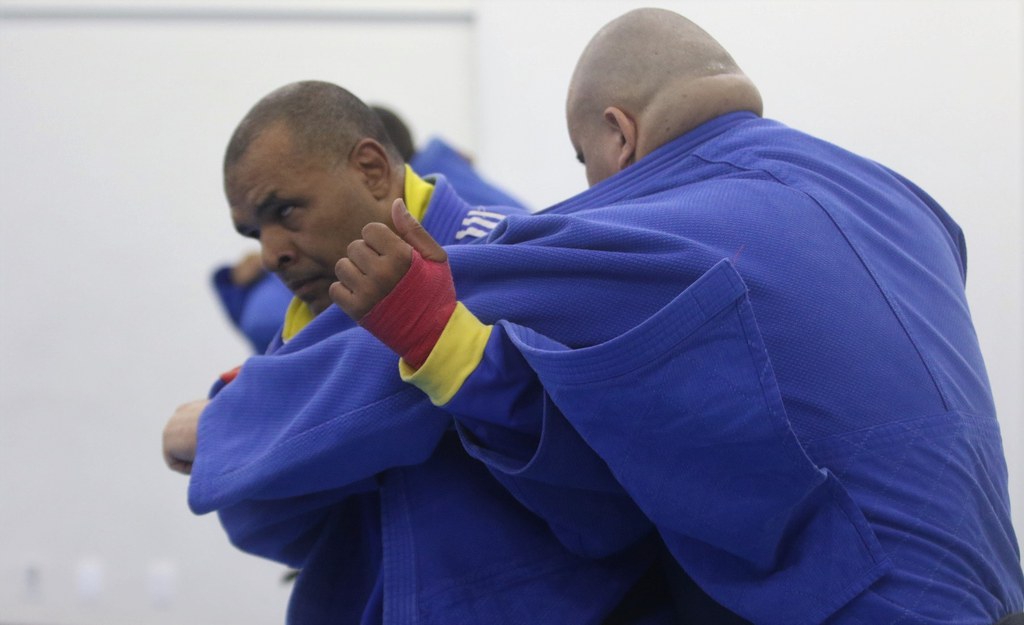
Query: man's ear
[370,159]
[625,127]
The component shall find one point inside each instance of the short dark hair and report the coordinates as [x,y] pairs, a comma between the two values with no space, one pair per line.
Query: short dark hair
[325,119]
[397,130]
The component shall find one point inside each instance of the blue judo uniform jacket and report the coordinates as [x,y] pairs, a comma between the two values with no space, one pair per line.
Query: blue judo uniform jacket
[403,526]
[752,342]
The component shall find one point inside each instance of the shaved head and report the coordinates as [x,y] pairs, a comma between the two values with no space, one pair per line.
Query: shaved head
[662,71]
[324,120]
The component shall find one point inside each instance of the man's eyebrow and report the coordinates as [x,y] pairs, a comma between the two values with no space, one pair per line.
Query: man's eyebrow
[265,205]
[269,202]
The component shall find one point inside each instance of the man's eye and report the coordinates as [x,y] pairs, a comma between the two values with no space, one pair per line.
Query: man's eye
[284,211]
[579,157]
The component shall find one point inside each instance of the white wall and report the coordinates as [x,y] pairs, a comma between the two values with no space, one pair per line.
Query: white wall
[112,127]
[111,133]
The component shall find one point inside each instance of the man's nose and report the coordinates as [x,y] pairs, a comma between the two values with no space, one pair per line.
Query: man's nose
[277,251]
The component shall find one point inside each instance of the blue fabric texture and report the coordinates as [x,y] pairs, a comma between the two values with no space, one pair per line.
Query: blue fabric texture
[856,291]
[762,521]
[751,342]
[257,310]
[366,488]
[438,157]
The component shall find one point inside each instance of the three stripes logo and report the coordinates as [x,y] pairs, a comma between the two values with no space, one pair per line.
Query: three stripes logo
[478,223]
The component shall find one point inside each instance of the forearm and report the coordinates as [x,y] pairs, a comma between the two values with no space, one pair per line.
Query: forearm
[313,418]
[474,374]
[507,421]
[398,286]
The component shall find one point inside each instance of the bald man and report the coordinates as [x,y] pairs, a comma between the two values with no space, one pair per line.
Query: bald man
[763,336]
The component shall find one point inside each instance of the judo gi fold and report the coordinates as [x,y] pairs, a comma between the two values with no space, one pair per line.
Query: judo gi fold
[760,512]
[808,426]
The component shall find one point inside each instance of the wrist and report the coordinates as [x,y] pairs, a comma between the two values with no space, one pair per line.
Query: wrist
[411,318]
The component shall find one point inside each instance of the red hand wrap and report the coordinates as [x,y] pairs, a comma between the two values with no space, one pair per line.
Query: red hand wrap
[412,316]
[229,376]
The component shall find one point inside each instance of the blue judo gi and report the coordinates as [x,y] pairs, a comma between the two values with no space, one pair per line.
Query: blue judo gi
[751,342]
[440,541]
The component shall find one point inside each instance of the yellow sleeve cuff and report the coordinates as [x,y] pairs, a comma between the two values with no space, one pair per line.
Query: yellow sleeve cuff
[456,355]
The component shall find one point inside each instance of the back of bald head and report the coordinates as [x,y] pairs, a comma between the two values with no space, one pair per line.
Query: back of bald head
[324,120]
[663,70]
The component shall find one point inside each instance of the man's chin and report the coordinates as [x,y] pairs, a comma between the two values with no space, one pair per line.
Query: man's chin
[313,294]
[318,305]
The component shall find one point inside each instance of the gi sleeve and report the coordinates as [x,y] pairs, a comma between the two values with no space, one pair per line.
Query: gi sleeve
[686,411]
[284,530]
[506,420]
[297,423]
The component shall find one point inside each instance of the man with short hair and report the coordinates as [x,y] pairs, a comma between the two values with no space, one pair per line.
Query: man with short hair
[256,302]
[316,456]
[765,337]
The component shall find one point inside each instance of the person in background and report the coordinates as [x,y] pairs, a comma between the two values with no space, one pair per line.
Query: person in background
[255,300]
